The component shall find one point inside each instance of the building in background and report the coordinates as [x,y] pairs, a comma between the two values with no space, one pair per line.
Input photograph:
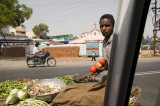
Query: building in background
[94,35]
[20,31]
[13,36]
[17,31]
[64,39]
[30,34]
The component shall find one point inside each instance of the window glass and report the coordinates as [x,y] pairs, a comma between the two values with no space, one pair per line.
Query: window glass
[147,71]
[73,37]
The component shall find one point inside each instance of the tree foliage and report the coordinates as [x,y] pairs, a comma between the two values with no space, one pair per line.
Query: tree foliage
[40,30]
[143,40]
[12,13]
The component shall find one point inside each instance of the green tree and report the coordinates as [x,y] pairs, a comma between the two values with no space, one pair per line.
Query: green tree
[40,30]
[12,13]
[143,40]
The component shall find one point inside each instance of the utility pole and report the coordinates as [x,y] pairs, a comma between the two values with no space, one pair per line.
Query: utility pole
[154,9]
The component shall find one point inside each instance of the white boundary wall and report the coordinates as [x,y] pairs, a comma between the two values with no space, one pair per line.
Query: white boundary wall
[82,48]
[29,49]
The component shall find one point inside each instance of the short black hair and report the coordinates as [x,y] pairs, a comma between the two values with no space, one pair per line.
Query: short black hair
[108,16]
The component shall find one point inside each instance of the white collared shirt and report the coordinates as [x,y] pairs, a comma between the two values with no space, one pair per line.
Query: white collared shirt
[106,49]
[35,50]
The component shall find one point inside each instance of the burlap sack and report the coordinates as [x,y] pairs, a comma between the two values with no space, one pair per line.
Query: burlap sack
[84,94]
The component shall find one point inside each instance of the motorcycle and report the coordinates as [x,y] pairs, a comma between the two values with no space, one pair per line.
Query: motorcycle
[37,60]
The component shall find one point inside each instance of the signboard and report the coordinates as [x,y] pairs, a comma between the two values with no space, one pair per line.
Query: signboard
[90,46]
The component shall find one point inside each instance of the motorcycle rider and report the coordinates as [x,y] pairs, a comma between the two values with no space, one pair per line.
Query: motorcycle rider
[36,49]
[36,52]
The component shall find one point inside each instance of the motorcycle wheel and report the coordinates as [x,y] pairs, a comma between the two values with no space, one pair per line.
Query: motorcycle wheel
[51,62]
[31,63]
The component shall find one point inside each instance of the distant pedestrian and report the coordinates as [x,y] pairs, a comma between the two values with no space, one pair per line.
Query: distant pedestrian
[93,55]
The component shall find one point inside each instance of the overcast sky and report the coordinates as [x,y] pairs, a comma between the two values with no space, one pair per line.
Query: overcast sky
[73,16]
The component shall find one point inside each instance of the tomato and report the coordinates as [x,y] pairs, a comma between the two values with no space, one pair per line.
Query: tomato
[102,61]
[94,65]
[92,69]
[98,65]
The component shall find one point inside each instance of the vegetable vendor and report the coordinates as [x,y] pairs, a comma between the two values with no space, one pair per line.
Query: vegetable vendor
[106,27]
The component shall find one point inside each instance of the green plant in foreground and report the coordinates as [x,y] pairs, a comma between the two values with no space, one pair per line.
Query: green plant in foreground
[7,86]
[68,79]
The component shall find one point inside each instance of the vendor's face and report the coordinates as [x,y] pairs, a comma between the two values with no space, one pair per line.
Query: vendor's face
[106,27]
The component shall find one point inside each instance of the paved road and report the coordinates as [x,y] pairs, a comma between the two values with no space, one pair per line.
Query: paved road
[147,74]
[11,69]
[150,85]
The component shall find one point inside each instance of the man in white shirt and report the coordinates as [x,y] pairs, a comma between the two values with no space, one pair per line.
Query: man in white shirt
[36,52]
[36,49]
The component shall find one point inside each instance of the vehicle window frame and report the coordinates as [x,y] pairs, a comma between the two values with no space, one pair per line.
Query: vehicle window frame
[124,53]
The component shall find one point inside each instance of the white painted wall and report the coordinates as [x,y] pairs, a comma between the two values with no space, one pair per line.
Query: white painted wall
[29,49]
[82,48]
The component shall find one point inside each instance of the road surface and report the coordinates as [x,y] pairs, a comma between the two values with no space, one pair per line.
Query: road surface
[147,75]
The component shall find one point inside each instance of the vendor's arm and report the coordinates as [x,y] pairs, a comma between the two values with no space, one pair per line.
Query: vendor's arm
[104,67]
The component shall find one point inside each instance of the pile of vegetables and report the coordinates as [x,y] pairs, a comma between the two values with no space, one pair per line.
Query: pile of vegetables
[74,79]
[7,86]
[129,103]
[16,92]
[97,68]
[16,95]
[68,79]
[44,89]
[32,102]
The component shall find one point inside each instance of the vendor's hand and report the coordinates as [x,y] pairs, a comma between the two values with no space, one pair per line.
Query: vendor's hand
[92,74]
[100,69]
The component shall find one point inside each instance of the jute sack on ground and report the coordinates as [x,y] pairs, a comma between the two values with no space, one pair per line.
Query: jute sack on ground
[88,94]
[85,94]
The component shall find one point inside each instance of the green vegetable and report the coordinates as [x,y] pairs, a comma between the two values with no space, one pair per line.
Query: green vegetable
[14,91]
[22,94]
[68,79]
[129,103]
[25,88]
[7,86]
[32,102]
[12,99]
